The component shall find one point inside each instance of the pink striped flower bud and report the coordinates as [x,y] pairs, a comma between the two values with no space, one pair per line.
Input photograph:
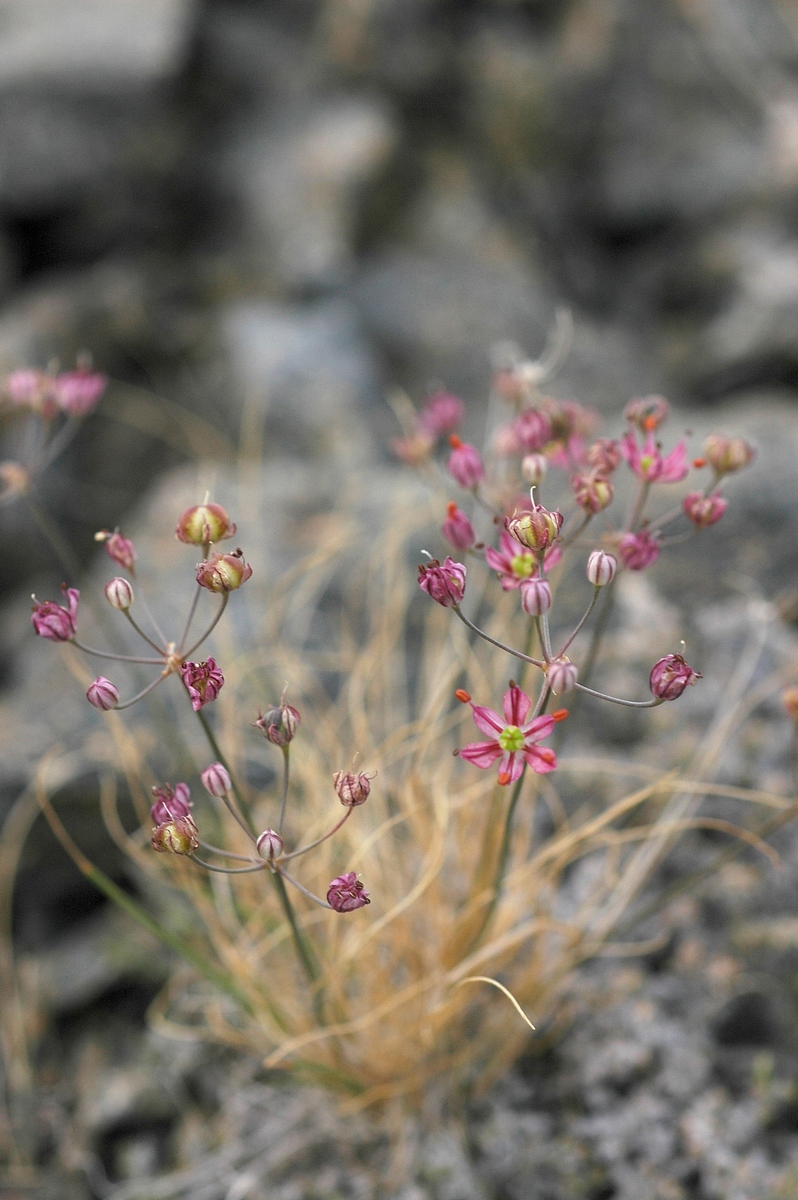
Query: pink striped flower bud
[535,596]
[562,676]
[346,893]
[465,463]
[670,676]
[601,568]
[204,523]
[176,837]
[279,723]
[102,694]
[352,789]
[119,593]
[704,510]
[216,780]
[534,468]
[592,492]
[51,620]
[638,550]
[170,803]
[445,584]
[269,844]
[727,454]
[224,572]
[118,548]
[536,529]
[457,529]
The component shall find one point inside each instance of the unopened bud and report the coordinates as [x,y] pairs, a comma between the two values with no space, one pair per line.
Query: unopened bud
[119,593]
[457,529]
[269,844]
[534,468]
[562,676]
[704,510]
[216,780]
[118,548]
[604,456]
[601,568]
[176,837]
[445,584]
[535,597]
[204,523]
[670,676]
[592,493]
[465,463]
[102,694]
[279,723]
[352,789]
[728,454]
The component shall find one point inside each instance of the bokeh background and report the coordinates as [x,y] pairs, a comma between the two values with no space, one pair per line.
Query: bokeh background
[268,215]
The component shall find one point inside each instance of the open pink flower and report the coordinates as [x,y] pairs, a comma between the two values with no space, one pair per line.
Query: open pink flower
[514,563]
[51,620]
[649,464]
[203,682]
[512,738]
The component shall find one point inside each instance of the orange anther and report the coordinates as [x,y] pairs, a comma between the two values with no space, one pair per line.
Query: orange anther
[454,441]
[560,714]
[451,508]
[649,423]
[462,696]
[504,779]
[699,462]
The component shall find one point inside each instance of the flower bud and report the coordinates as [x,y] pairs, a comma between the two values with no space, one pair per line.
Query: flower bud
[465,463]
[604,456]
[562,676]
[704,510]
[601,568]
[203,682]
[352,789]
[118,548]
[638,550]
[176,837]
[789,698]
[170,803]
[445,584]
[102,694]
[647,414]
[216,780]
[457,529]
[670,676]
[532,429]
[346,893]
[592,492]
[50,620]
[204,523]
[119,593]
[536,529]
[223,572]
[279,723]
[535,597]
[442,413]
[269,844]
[534,468]
[727,454]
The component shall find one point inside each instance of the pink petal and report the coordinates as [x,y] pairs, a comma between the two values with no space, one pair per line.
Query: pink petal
[630,451]
[552,557]
[541,764]
[509,546]
[674,465]
[486,720]
[516,705]
[538,729]
[481,754]
[496,560]
[513,765]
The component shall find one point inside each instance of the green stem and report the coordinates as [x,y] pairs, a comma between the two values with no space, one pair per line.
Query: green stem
[214,745]
[302,944]
[52,535]
[286,778]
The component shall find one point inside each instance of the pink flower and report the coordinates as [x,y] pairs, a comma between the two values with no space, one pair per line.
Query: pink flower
[670,676]
[445,584]
[592,492]
[442,413]
[457,529]
[52,621]
[535,596]
[78,392]
[649,464]
[515,563]
[511,739]
[103,694]
[170,803]
[638,550]
[604,456]
[647,413]
[346,893]
[704,510]
[118,548]
[216,780]
[465,463]
[532,429]
[31,389]
[224,572]
[203,681]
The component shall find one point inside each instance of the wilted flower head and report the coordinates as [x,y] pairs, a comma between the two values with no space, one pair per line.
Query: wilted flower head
[119,593]
[102,694]
[78,392]
[536,529]
[52,621]
[604,456]
[170,803]
[445,584]
[457,529]
[279,723]
[465,463]
[670,676]
[269,845]
[704,510]
[592,492]
[442,413]
[216,780]
[223,572]
[204,523]
[346,893]
[513,739]
[601,568]
[647,413]
[638,550]
[176,837]
[727,454]
[352,789]
[203,681]
[118,548]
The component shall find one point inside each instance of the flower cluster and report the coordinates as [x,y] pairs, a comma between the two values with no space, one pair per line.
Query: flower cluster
[546,435]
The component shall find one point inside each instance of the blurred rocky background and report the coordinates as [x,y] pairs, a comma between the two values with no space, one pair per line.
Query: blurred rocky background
[262,216]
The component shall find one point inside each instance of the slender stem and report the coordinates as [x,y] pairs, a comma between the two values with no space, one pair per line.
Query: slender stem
[58,444]
[211,627]
[536,662]
[312,845]
[140,695]
[250,834]
[117,657]
[286,778]
[214,745]
[189,618]
[225,853]
[545,636]
[303,889]
[303,947]
[228,870]
[639,504]
[617,700]
[53,536]
[141,633]
[590,607]
[143,601]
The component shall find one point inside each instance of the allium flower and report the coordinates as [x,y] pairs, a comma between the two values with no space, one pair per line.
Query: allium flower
[269,845]
[442,413]
[704,510]
[465,463]
[649,464]
[78,392]
[647,413]
[216,780]
[203,682]
[27,388]
[171,803]
[224,572]
[457,529]
[532,429]
[514,564]
[102,694]
[601,568]
[52,621]
[176,837]
[513,740]
[346,893]
[604,456]
[204,523]
[592,492]
[414,448]
[119,593]
[535,596]
[534,468]
[562,676]
[118,548]
[638,550]
[728,454]
[352,789]
[279,723]
[670,676]
[445,584]
[536,529]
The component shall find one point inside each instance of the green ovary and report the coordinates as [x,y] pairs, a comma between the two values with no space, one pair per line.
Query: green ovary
[523,565]
[511,738]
